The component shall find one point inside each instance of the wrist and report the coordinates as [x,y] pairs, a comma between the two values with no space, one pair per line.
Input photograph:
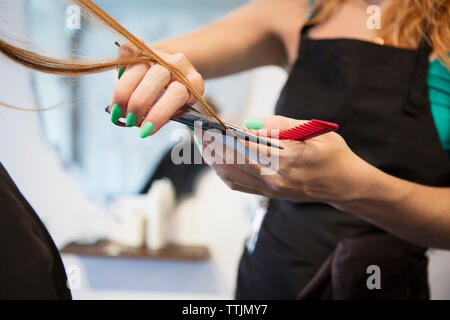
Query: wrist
[363,182]
[371,189]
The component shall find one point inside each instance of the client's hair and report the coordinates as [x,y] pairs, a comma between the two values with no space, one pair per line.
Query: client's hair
[69,67]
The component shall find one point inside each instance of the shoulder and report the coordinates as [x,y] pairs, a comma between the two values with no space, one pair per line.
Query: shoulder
[281,11]
[284,20]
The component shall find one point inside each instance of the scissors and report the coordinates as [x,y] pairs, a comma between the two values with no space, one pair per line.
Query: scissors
[195,119]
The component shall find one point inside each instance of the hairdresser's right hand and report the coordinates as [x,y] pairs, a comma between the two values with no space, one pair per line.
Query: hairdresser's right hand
[147,95]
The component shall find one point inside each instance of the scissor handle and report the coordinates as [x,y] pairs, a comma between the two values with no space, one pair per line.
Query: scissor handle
[178,116]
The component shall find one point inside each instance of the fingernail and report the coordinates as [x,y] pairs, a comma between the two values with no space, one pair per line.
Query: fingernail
[116,112]
[146,130]
[131,119]
[120,71]
[191,128]
[254,123]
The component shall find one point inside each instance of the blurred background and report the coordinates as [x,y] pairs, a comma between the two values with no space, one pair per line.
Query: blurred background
[72,163]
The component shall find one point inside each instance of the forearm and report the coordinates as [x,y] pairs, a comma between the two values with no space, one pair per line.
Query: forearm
[244,39]
[414,212]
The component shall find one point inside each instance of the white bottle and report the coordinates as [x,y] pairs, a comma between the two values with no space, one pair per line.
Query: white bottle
[160,204]
[130,228]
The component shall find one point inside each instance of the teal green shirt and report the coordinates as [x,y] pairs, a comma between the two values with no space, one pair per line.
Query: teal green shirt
[439,94]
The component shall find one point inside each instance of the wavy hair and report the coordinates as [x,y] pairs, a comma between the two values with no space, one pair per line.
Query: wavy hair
[406,22]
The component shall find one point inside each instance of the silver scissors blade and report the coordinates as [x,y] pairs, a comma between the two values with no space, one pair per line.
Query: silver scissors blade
[206,122]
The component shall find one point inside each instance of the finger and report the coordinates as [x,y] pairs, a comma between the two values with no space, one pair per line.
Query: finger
[196,81]
[146,93]
[127,50]
[171,101]
[253,157]
[238,179]
[182,63]
[271,126]
[265,151]
[218,153]
[124,89]
[262,148]
[243,187]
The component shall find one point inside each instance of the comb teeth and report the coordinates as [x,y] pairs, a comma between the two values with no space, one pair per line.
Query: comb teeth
[308,130]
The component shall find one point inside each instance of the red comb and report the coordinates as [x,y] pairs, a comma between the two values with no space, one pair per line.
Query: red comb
[308,130]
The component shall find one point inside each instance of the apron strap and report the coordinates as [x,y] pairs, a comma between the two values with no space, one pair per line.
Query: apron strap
[417,100]
[305,29]
[309,14]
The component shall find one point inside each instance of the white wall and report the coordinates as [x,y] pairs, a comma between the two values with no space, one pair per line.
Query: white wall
[217,219]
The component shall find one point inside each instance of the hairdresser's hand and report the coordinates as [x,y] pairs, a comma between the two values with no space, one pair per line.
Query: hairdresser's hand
[147,95]
[320,169]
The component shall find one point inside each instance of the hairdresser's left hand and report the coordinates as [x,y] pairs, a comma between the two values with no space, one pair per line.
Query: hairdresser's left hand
[147,95]
[320,169]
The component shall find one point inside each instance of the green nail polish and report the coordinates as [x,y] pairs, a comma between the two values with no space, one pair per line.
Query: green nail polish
[116,112]
[131,119]
[146,130]
[191,127]
[254,123]
[120,71]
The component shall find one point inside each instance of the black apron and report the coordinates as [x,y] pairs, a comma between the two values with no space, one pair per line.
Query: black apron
[379,97]
[30,265]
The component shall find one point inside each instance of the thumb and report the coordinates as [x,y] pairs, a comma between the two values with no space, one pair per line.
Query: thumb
[128,50]
[266,124]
